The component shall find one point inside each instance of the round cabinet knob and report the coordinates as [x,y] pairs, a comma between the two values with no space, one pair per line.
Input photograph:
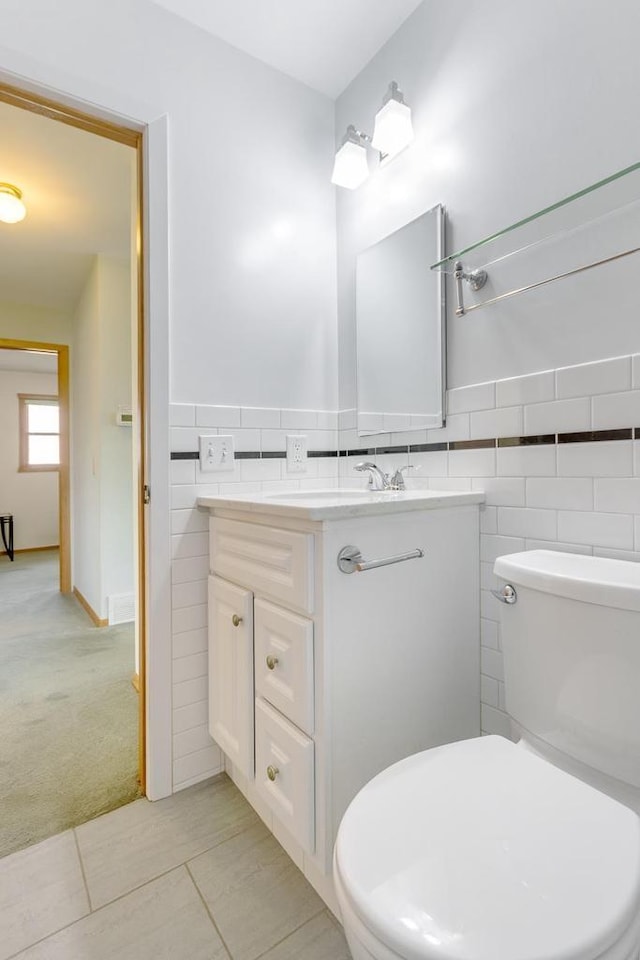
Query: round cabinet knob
[236,620]
[272,772]
[271,662]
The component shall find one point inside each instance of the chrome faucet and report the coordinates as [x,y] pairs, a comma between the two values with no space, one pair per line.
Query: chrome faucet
[377,479]
[382,481]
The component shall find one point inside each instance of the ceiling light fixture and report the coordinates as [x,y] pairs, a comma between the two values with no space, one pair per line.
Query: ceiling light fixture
[12,209]
[393,131]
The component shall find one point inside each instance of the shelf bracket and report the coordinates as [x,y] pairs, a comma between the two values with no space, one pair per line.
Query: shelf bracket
[476,280]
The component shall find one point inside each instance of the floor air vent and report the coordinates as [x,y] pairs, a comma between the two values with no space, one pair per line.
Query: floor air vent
[121,608]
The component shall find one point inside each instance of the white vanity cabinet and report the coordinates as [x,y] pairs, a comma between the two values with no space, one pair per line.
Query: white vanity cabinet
[231,695]
[319,679]
[273,643]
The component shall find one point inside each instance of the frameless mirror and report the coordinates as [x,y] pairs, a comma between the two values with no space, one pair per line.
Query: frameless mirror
[400,329]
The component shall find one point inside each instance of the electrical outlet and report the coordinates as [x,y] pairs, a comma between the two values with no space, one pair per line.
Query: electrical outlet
[296,454]
[216,454]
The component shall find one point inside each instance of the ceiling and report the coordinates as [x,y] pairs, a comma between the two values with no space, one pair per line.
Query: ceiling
[323,43]
[77,188]
[28,361]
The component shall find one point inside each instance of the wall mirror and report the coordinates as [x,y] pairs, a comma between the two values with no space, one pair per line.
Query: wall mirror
[400,329]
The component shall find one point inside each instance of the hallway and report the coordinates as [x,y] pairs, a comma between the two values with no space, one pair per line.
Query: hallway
[68,711]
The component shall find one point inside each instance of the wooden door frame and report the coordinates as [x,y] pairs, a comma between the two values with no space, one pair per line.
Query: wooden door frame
[131,136]
[64,505]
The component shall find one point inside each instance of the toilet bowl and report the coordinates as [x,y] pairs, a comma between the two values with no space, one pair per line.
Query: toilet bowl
[486,850]
[480,850]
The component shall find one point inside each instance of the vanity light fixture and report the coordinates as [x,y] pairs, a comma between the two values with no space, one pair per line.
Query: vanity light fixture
[351,167]
[393,130]
[12,209]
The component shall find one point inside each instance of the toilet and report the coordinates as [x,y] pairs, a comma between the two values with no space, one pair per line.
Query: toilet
[487,849]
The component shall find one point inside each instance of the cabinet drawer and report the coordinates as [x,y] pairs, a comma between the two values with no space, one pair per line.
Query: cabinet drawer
[284,662]
[273,562]
[288,755]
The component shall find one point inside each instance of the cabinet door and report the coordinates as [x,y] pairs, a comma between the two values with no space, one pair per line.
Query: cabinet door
[231,672]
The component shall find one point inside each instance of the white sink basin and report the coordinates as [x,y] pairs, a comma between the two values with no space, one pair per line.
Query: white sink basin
[322,494]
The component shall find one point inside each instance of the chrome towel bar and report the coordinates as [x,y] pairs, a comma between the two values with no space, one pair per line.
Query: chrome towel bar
[350,560]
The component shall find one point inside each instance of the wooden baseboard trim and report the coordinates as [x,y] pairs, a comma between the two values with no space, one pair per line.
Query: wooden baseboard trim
[54,546]
[135,682]
[99,622]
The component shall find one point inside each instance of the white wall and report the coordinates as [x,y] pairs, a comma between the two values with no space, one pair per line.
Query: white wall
[116,467]
[32,498]
[251,276]
[86,559]
[19,321]
[101,457]
[251,207]
[515,105]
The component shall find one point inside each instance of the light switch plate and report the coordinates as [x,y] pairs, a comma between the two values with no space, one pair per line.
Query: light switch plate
[216,453]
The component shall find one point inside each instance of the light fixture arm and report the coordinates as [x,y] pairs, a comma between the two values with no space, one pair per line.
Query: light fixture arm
[360,137]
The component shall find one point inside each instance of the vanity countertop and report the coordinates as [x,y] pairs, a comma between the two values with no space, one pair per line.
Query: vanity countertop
[336,504]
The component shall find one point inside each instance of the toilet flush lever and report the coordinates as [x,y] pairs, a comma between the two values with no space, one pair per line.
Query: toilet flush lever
[506,595]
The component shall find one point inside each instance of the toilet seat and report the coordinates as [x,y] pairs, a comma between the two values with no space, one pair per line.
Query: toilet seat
[482,850]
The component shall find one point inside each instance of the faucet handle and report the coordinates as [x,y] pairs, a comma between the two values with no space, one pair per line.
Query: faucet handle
[397,480]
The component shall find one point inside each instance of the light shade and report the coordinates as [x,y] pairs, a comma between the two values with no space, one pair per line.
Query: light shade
[12,209]
[350,168]
[393,128]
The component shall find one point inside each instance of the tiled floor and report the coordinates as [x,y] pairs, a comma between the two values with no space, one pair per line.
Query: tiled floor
[194,877]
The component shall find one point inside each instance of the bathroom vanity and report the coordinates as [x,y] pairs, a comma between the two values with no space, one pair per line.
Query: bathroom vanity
[319,677]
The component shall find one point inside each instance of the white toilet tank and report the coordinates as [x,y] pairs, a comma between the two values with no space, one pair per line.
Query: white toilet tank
[571,645]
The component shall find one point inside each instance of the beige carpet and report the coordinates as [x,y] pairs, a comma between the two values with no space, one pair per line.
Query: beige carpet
[68,712]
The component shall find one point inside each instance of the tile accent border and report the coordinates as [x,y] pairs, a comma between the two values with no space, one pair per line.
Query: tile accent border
[539,439]
[256,454]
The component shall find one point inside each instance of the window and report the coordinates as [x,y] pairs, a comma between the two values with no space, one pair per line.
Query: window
[39,432]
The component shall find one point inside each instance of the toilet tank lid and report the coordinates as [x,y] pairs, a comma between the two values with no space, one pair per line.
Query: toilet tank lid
[600,580]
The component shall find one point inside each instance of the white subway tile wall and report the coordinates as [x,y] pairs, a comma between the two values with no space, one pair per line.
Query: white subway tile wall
[592,379]
[581,497]
[254,430]
[503,422]
[478,396]
[534,388]
[558,416]
[578,497]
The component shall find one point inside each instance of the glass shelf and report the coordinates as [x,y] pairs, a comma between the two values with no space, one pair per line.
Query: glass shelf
[592,227]
[447,263]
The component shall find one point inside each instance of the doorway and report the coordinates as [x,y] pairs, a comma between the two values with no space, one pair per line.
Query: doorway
[128,415]
[42,358]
